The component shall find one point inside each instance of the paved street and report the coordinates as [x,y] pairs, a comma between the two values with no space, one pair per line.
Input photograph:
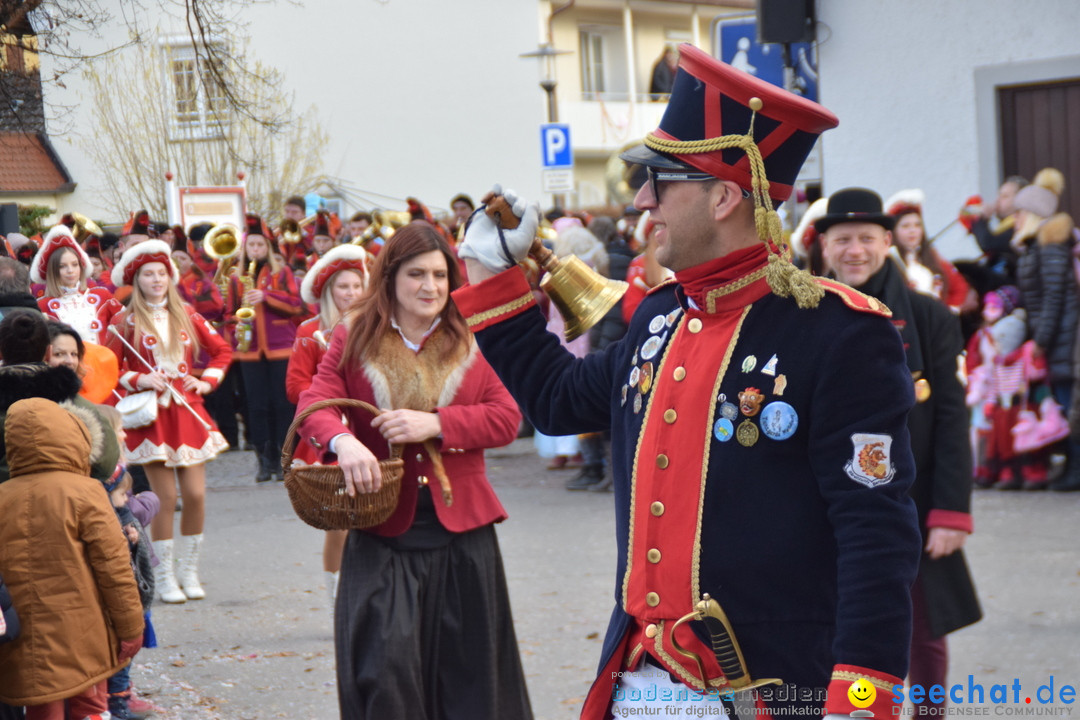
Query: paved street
[260,645]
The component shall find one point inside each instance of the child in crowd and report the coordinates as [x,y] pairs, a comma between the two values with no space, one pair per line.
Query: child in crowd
[68,569]
[1001,370]
[135,513]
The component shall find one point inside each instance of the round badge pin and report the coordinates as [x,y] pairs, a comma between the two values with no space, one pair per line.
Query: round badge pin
[635,375]
[749,363]
[646,377]
[625,388]
[723,430]
[747,433]
[729,411]
[650,348]
[637,402]
[673,316]
[657,324]
[779,421]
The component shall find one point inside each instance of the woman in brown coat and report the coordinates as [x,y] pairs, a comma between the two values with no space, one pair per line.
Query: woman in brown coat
[66,563]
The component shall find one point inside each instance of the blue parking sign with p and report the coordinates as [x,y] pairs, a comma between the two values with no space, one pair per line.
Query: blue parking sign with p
[555,150]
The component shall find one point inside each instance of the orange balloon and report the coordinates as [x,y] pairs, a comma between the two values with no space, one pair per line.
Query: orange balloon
[102,373]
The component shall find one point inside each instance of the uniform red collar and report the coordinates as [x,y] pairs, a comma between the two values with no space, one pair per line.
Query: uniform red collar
[734,280]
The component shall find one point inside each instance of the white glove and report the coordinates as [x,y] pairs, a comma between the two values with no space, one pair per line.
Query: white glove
[482,241]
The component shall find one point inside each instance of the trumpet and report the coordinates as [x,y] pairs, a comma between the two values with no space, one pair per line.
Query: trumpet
[222,244]
[290,232]
[245,314]
[384,224]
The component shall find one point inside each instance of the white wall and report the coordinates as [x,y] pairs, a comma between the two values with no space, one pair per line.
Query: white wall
[419,97]
[901,76]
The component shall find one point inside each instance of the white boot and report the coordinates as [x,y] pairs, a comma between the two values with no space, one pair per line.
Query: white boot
[164,579]
[187,566]
[331,588]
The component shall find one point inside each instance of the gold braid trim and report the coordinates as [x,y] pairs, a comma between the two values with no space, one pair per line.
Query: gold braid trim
[784,278]
[845,675]
[504,309]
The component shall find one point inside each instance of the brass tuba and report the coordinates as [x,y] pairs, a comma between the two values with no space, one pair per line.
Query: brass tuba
[84,228]
[291,232]
[222,243]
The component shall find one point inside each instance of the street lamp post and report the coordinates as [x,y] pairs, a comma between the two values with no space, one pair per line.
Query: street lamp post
[546,54]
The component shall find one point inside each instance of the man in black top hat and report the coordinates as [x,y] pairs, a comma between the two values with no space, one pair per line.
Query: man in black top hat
[856,238]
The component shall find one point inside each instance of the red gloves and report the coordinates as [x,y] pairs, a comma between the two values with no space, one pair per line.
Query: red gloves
[128,648]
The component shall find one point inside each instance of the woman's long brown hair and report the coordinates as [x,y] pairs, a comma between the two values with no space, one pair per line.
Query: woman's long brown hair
[369,320]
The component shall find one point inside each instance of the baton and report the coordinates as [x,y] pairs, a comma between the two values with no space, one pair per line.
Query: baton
[175,393]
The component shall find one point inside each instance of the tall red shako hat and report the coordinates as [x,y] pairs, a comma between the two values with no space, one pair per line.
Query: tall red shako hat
[733,126]
[58,237]
[342,257]
[136,256]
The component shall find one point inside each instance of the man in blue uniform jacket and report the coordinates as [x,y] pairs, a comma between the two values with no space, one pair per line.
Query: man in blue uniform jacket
[758,419]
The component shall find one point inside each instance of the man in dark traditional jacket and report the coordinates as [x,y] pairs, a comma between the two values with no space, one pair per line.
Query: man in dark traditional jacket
[856,238]
[758,417]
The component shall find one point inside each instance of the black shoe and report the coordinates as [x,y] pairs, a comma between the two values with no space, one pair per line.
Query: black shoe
[265,470]
[1069,481]
[605,485]
[589,476]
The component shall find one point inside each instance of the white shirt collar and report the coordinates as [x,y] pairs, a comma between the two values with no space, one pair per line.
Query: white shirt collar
[415,347]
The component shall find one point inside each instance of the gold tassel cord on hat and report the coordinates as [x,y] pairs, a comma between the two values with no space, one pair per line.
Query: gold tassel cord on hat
[783,277]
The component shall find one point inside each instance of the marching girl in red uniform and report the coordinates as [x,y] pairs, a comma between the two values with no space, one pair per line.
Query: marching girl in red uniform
[275,299]
[63,267]
[333,284]
[156,340]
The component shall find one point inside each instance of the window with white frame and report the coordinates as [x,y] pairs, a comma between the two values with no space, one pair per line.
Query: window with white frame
[603,62]
[198,104]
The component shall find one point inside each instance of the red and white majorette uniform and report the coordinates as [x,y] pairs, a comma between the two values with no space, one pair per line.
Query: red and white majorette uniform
[177,437]
[312,339]
[87,311]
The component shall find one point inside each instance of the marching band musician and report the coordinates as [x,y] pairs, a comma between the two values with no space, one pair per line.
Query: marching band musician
[294,210]
[262,345]
[333,285]
[195,288]
[322,240]
[64,268]
[157,338]
[760,451]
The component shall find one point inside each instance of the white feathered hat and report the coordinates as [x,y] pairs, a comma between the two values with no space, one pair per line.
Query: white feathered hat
[58,237]
[906,201]
[342,257]
[805,233]
[136,256]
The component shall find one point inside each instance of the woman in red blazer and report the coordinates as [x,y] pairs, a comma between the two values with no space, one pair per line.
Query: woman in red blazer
[422,613]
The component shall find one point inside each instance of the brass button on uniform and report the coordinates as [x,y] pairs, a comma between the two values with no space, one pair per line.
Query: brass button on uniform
[653,555]
[661,461]
[694,325]
[423,479]
[652,599]
[670,416]
[679,374]
[657,508]
[651,631]
[419,457]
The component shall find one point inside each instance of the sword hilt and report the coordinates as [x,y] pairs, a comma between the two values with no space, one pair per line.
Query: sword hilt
[728,653]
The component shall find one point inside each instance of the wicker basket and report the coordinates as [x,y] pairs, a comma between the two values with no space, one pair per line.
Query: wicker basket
[317,492]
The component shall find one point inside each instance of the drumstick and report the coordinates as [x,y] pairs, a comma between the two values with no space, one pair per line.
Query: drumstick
[175,393]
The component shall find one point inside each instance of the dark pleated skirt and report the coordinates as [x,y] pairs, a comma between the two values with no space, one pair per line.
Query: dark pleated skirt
[427,634]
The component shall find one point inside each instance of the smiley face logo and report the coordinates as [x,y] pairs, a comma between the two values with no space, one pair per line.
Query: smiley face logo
[861,693]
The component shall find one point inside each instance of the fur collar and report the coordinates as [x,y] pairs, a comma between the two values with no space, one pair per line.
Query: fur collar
[94,425]
[1057,230]
[401,378]
[27,380]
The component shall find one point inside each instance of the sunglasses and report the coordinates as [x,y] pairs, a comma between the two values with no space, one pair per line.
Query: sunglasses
[658,176]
